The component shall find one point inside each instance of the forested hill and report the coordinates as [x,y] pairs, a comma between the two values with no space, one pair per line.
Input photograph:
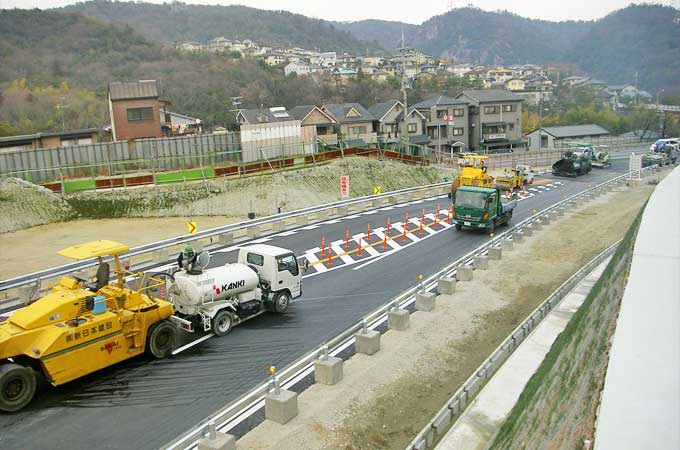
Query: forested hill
[640,39]
[178,22]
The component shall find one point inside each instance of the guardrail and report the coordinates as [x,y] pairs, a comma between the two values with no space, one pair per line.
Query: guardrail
[234,412]
[35,277]
[457,404]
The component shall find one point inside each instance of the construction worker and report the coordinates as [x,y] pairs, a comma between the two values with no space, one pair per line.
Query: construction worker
[187,261]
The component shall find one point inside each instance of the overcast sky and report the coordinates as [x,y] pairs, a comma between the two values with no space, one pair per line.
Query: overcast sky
[401,10]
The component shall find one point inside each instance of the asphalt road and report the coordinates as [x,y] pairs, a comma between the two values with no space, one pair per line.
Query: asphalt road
[143,404]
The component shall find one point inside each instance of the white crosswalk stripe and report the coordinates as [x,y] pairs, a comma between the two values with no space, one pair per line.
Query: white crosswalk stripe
[311,257]
[336,246]
[359,239]
[400,229]
[379,232]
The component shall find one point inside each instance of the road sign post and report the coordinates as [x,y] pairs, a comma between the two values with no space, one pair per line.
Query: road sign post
[344,186]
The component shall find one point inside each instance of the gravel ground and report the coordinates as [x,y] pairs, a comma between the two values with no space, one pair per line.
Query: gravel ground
[384,400]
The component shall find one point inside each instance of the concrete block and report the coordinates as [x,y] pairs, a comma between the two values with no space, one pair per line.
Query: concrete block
[528,230]
[495,253]
[221,442]
[464,273]
[341,210]
[507,245]
[282,407]
[441,424]
[226,239]
[537,225]
[481,262]
[545,220]
[398,319]
[393,200]
[328,371]
[277,226]
[301,220]
[367,343]
[560,211]
[253,232]
[159,256]
[446,285]
[517,236]
[425,301]
[322,215]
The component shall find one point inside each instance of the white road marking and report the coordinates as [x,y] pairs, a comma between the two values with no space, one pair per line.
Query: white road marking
[192,343]
[331,222]
[416,222]
[369,213]
[286,233]
[440,221]
[354,216]
[359,239]
[340,250]
[310,227]
[260,241]
[386,208]
[397,226]
[379,233]
[311,257]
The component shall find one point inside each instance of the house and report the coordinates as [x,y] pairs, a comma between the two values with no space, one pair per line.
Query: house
[190,47]
[495,119]
[175,124]
[353,123]
[345,74]
[574,81]
[297,68]
[275,59]
[515,84]
[316,124]
[500,75]
[263,115]
[50,139]
[551,137]
[134,109]
[446,123]
[328,59]
[389,122]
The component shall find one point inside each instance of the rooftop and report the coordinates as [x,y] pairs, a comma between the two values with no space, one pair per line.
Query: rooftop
[575,131]
[437,101]
[130,90]
[348,112]
[265,115]
[491,95]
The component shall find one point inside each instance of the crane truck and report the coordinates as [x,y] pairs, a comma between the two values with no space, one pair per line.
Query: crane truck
[265,278]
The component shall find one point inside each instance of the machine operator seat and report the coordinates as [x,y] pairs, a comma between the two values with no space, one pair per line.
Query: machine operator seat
[102,278]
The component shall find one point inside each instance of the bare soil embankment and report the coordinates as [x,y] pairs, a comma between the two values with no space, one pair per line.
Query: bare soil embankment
[387,398]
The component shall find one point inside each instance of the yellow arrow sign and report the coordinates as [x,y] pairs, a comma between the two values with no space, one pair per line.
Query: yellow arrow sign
[191,227]
[376,190]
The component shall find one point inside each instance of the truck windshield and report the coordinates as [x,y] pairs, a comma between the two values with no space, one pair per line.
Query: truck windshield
[469,199]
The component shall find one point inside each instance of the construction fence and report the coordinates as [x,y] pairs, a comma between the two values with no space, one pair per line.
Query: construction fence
[172,160]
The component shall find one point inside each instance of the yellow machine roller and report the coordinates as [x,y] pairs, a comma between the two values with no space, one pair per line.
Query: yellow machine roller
[78,327]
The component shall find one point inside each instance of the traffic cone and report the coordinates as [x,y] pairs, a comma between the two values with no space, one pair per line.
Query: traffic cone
[368,232]
[403,237]
[347,239]
[330,257]
[323,246]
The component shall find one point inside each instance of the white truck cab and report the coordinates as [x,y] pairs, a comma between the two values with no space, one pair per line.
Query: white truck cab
[275,266]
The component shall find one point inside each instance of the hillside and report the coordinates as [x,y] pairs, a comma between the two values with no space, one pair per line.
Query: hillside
[639,39]
[383,33]
[51,58]
[178,22]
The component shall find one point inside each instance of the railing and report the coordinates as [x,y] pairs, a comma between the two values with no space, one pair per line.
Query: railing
[35,277]
[456,405]
[237,410]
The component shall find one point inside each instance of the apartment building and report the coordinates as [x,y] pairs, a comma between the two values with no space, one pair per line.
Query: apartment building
[495,119]
[446,123]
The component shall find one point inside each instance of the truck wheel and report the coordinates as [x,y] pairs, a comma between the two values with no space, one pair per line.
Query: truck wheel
[221,323]
[160,341]
[459,227]
[281,301]
[17,386]
[491,227]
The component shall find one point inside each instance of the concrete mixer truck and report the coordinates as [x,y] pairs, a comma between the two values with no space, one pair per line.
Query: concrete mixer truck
[265,278]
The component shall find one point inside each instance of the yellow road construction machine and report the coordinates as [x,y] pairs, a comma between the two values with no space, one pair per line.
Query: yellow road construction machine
[79,327]
[472,172]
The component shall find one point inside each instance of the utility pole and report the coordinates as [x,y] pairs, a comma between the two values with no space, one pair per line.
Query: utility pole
[403,51]
[61,107]
[235,103]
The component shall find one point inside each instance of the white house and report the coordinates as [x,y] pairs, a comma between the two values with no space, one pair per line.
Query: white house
[297,68]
